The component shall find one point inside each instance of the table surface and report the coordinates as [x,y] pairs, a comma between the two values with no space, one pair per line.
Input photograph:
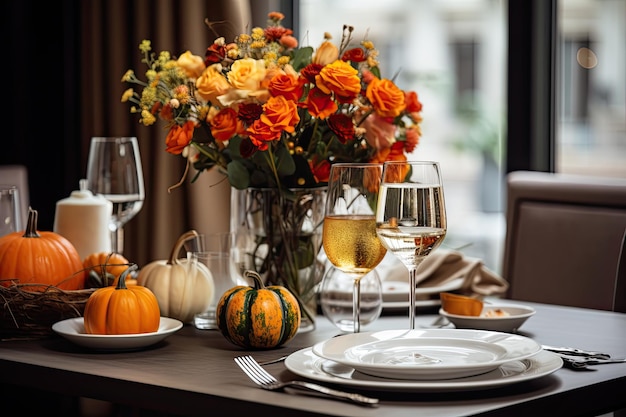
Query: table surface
[192,372]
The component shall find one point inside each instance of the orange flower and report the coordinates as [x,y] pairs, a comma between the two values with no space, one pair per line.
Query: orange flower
[413,105]
[279,115]
[320,169]
[286,85]
[412,138]
[320,104]
[386,97]
[341,79]
[224,124]
[178,137]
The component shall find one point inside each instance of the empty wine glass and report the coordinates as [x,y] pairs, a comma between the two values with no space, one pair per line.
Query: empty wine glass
[114,171]
[411,215]
[349,231]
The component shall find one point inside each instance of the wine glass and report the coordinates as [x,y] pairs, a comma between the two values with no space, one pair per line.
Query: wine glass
[349,230]
[114,171]
[411,215]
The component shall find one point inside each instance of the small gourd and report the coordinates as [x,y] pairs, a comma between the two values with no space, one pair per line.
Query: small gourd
[121,309]
[181,290]
[104,268]
[33,257]
[258,317]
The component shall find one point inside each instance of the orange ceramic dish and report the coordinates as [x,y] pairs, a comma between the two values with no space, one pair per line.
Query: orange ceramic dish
[460,304]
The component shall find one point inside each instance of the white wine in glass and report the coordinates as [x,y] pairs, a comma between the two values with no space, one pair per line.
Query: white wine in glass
[114,171]
[411,215]
[349,232]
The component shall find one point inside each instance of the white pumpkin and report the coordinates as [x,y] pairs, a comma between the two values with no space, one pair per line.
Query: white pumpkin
[181,293]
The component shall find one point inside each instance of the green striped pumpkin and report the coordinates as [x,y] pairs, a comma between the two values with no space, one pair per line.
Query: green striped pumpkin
[258,317]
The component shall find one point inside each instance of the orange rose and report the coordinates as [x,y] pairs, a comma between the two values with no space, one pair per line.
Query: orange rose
[319,104]
[179,137]
[279,115]
[386,97]
[320,169]
[212,84]
[224,124]
[413,105]
[340,78]
[286,85]
[193,65]
[412,138]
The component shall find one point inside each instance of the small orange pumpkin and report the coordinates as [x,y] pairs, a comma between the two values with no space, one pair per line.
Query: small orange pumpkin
[34,257]
[107,266]
[121,309]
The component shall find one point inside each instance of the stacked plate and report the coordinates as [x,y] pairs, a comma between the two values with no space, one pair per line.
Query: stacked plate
[429,359]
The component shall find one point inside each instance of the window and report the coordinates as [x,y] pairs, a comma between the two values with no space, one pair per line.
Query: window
[452,52]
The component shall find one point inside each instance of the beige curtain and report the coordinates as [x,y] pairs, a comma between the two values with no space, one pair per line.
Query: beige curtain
[111,33]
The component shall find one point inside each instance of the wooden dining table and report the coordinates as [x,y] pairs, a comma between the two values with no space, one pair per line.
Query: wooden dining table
[192,373]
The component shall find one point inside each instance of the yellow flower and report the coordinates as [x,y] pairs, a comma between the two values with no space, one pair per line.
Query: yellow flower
[193,65]
[246,74]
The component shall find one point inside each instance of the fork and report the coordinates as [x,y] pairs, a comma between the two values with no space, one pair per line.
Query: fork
[261,377]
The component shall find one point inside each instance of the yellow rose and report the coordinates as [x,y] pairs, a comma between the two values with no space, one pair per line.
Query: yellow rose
[212,84]
[340,78]
[247,74]
[193,65]
[327,53]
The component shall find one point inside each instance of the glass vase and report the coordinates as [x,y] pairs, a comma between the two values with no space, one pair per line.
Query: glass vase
[279,235]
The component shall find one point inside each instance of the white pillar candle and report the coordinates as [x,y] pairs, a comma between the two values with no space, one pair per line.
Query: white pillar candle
[83,219]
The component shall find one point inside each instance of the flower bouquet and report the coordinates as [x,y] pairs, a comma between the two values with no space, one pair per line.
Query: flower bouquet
[273,116]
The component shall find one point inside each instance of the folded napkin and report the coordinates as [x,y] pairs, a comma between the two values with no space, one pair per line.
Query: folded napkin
[443,266]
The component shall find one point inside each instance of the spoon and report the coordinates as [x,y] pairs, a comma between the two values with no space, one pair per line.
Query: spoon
[584,363]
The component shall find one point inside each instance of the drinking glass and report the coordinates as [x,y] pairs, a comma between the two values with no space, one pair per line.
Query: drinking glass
[349,230]
[411,215]
[10,211]
[114,171]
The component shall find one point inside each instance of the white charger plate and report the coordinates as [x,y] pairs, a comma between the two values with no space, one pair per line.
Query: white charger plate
[517,315]
[308,365]
[426,354]
[74,331]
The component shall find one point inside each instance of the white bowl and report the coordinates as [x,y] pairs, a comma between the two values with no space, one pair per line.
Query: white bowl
[517,315]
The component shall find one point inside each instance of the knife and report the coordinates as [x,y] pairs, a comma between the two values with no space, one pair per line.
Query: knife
[577,352]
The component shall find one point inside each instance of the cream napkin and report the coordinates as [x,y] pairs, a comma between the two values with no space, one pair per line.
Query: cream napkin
[443,266]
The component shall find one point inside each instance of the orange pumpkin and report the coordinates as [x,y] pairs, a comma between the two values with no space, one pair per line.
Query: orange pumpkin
[34,257]
[121,309]
[108,266]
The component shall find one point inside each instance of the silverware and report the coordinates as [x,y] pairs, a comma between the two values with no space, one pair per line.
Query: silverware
[585,362]
[261,377]
[271,361]
[577,352]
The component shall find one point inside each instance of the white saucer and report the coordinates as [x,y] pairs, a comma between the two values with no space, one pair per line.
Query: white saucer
[74,331]
[426,354]
[516,316]
[308,365]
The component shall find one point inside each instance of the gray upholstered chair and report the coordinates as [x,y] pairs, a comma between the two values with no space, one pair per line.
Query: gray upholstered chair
[565,240]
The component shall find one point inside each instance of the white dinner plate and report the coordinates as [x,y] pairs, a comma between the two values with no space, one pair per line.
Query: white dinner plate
[396,293]
[308,365]
[74,331]
[426,354]
[515,316]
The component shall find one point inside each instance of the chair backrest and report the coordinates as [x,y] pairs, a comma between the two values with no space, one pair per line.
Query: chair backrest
[564,239]
[17,175]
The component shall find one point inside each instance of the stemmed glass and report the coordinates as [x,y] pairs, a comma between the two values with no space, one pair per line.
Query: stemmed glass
[114,171]
[349,230]
[411,215]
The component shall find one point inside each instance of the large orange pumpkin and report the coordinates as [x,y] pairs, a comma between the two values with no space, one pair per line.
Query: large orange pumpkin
[37,257]
[121,309]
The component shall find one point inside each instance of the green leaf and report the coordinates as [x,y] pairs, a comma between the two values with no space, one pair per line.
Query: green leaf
[302,58]
[284,161]
[238,175]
